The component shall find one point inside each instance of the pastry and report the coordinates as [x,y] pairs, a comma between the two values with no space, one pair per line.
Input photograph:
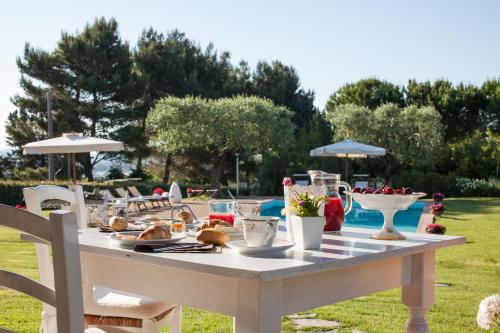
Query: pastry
[118,223]
[185,216]
[151,218]
[155,232]
[213,223]
[211,236]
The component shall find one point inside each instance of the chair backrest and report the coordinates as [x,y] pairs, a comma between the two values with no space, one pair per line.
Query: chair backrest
[121,192]
[34,196]
[107,193]
[134,191]
[60,232]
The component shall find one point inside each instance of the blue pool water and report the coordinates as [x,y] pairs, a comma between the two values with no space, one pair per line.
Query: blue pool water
[404,220]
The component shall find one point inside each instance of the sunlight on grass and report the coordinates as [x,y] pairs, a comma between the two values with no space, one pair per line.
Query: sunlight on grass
[472,270]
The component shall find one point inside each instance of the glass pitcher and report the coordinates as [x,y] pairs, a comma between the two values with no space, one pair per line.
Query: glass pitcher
[334,209]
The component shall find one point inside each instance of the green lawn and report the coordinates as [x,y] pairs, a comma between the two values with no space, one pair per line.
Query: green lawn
[473,270]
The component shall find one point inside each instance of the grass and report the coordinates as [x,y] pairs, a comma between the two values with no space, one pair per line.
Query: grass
[472,270]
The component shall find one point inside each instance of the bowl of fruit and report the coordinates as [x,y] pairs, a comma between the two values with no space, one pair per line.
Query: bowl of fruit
[388,201]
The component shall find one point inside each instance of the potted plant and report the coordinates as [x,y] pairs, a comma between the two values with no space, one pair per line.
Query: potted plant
[438,197]
[307,221]
[437,209]
[435,228]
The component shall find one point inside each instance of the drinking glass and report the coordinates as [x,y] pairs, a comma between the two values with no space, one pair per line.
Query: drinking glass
[177,227]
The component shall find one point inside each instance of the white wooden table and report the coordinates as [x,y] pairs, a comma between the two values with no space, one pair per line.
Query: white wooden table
[257,292]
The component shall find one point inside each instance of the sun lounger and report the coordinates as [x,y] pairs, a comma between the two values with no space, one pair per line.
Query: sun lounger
[151,198]
[137,201]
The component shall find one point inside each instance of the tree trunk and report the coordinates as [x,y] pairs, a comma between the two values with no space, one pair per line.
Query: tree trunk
[166,172]
[216,173]
[87,167]
[138,165]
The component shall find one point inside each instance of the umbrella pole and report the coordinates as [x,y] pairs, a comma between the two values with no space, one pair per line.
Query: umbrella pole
[73,162]
[346,164]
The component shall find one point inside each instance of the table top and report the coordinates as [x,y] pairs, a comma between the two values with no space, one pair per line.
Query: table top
[350,247]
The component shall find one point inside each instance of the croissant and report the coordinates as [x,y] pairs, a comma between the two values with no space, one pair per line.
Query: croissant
[155,232]
[185,216]
[213,223]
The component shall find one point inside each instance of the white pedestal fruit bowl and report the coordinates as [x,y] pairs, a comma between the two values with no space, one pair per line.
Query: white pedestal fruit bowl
[388,204]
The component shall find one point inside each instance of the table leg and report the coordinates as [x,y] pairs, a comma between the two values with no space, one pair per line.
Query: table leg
[259,306]
[419,294]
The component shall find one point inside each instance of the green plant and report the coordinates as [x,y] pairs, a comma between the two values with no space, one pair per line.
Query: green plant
[115,172]
[306,204]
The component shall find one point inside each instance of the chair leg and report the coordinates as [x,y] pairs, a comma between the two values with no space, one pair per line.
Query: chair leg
[176,322]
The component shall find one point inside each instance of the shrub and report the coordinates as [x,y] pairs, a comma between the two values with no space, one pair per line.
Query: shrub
[30,173]
[477,187]
[430,182]
[115,173]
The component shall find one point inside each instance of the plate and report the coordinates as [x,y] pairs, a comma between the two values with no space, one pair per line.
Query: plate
[130,243]
[240,246]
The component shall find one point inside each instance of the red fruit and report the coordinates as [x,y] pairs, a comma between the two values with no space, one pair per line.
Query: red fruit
[388,190]
[407,190]
[368,191]
[379,191]
[399,191]
[356,190]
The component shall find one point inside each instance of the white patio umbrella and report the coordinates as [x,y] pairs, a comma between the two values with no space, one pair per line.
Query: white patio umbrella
[71,143]
[348,149]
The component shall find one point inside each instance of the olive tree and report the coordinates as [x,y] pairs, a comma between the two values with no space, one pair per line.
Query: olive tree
[221,128]
[413,135]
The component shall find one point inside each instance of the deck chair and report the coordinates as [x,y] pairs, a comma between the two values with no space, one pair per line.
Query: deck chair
[361,183]
[103,306]
[60,233]
[151,198]
[136,201]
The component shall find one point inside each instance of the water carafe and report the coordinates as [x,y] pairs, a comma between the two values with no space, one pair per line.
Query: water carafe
[334,209]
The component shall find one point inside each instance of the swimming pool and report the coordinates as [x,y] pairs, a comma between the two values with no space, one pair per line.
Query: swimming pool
[404,220]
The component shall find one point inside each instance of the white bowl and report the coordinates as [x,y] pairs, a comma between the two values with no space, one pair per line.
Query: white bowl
[388,204]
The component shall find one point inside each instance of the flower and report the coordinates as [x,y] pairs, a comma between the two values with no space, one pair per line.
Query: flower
[434,228]
[301,202]
[437,208]
[488,314]
[438,195]
[287,181]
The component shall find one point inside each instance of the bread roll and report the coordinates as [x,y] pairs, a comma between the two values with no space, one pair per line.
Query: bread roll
[118,223]
[212,236]
[185,216]
[155,232]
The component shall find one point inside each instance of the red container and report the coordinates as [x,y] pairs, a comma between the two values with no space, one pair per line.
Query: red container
[334,214]
[222,216]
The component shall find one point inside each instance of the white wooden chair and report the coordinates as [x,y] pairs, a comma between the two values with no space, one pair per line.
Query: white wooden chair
[59,232]
[103,306]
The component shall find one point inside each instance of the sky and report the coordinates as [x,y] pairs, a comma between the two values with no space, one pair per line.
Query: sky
[329,43]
